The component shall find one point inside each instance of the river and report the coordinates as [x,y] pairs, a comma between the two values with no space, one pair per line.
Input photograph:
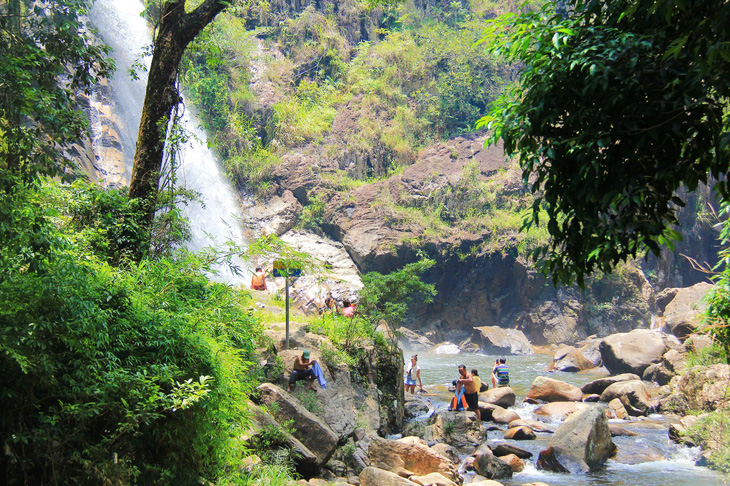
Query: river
[648,459]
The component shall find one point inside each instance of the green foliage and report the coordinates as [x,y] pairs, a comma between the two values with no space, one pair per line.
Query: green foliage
[618,105]
[47,58]
[717,321]
[347,335]
[387,298]
[309,401]
[472,203]
[705,356]
[312,216]
[150,362]
[712,432]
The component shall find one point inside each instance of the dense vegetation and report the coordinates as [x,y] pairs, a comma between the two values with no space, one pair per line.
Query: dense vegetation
[619,104]
[420,79]
[133,372]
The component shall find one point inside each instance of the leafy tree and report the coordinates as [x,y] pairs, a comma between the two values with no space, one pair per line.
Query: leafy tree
[618,105]
[387,298]
[46,58]
[175,29]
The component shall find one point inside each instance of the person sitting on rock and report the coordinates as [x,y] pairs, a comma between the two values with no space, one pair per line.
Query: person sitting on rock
[481,387]
[471,393]
[302,371]
[500,373]
[258,280]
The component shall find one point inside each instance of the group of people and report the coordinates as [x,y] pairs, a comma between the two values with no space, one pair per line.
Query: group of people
[469,385]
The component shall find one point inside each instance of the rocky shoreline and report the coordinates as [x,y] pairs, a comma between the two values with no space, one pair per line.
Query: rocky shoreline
[348,440]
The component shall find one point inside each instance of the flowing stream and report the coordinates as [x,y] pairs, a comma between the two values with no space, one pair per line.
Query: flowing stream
[647,459]
[216,219]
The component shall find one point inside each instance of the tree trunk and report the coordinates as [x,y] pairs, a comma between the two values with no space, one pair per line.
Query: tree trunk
[176,30]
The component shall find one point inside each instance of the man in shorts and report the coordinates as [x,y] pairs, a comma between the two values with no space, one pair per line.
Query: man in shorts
[302,371]
[471,394]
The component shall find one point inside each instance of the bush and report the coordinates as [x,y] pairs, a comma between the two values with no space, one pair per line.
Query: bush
[148,364]
[712,432]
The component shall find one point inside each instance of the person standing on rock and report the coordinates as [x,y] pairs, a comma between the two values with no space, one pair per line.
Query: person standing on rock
[471,392]
[500,373]
[302,371]
[413,373]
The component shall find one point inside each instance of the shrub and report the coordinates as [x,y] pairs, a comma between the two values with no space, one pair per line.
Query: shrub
[148,363]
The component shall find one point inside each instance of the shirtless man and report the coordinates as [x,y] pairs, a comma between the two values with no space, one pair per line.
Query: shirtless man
[470,392]
[302,371]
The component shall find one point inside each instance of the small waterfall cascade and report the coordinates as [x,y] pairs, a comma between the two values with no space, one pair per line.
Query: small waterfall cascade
[215,221]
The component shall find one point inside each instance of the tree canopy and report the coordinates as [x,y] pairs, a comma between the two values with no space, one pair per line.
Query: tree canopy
[618,105]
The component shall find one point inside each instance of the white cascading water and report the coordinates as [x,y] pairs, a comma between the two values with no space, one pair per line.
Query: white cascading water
[218,219]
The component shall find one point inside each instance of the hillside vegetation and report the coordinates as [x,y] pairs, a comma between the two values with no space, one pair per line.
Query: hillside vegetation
[266,90]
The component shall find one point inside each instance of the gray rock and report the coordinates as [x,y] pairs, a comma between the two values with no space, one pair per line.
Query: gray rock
[312,431]
[682,313]
[492,467]
[635,351]
[700,388]
[458,429]
[497,340]
[597,386]
[632,394]
[580,445]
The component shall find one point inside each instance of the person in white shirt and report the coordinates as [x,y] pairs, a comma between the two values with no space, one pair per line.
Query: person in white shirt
[413,373]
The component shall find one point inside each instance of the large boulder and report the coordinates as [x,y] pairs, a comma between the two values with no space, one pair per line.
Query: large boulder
[410,456]
[372,476]
[550,390]
[490,466]
[433,479]
[683,313]
[570,359]
[414,341]
[557,411]
[582,444]
[459,429]
[262,423]
[635,351]
[599,385]
[632,394]
[503,396]
[498,340]
[312,431]
[672,364]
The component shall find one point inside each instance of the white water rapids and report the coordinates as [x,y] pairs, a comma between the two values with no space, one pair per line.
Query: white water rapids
[215,221]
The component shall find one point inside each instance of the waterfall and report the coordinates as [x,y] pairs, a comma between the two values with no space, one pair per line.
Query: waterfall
[218,219]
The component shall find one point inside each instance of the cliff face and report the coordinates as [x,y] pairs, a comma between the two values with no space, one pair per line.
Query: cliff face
[480,276]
